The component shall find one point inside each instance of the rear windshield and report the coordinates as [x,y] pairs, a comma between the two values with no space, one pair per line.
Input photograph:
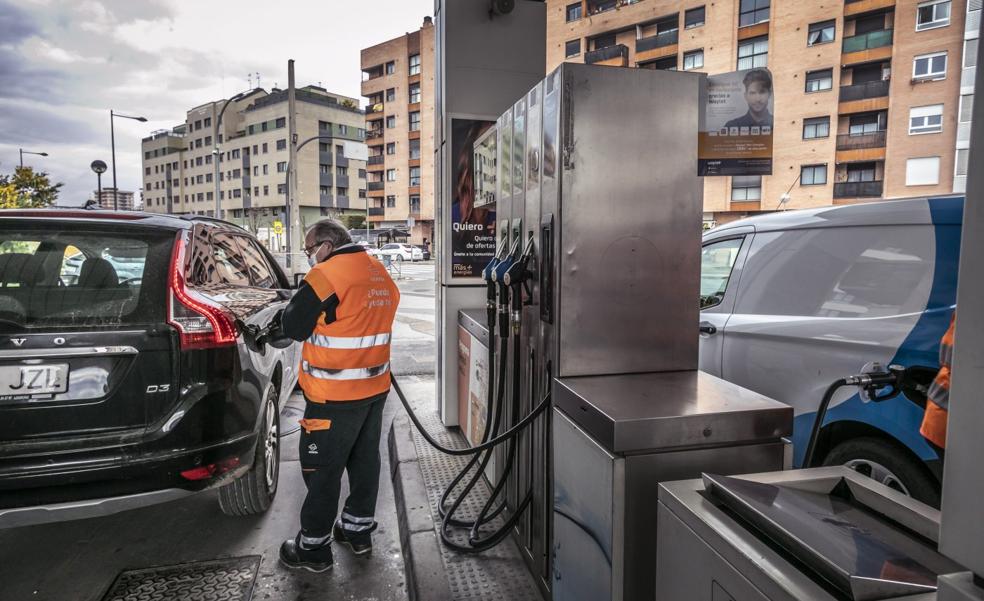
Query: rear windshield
[58,274]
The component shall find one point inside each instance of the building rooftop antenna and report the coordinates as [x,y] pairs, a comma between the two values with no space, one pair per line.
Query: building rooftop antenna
[258,80]
[249,81]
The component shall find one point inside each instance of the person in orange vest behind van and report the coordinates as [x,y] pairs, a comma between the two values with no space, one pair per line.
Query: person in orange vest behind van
[343,312]
[938,396]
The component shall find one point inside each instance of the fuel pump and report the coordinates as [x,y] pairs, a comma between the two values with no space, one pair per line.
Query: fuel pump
[507,277]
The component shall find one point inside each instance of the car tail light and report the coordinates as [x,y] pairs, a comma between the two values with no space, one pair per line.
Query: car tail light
[211,470]
[200,322]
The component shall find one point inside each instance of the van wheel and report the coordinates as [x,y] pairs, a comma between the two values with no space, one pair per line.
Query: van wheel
[253,492]
[888,464]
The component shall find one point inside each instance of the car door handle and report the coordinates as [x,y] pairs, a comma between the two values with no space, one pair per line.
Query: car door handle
[707,327]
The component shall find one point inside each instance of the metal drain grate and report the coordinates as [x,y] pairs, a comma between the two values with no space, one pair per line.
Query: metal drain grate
[497,574]
[218,580]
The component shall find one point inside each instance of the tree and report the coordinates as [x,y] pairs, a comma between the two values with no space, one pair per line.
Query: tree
[354,221]
[347,103]
[27,189]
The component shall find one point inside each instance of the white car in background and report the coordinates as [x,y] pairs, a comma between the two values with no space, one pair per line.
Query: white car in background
[372,250]
[401,252]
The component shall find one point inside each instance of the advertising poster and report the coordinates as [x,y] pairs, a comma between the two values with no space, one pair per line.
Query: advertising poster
[472,226]
[735,135]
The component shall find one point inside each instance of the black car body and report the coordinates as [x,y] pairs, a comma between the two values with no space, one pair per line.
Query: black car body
[124,377]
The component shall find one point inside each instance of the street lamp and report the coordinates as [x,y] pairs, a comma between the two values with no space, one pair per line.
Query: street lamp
[99,167]
[23,152]
[112,142]
[287,182]
[216,150]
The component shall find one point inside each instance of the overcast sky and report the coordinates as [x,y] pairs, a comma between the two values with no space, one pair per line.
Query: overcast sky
[65,63]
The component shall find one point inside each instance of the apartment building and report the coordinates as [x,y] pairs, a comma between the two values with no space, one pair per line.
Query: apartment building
[179,172]
[398,82]
[124,199]
[868,93]
[972,32]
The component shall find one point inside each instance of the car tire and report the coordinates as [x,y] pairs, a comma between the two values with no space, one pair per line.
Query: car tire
[399,258]
[253,492]
[888,463]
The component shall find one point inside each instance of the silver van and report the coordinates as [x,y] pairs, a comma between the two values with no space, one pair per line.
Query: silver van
[792,301]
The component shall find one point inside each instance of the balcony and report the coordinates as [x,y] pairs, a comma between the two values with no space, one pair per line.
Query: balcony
[373,134]
[617,55]
[599,6]
[667,38]
[374,108]
[860,7]
[373,72]
[377,159]
[375,186]
[377,212]
[867,41]
[858,189]
[862,141]
[863,91]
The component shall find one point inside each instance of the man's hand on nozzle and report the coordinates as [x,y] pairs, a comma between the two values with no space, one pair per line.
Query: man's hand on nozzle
[273,333]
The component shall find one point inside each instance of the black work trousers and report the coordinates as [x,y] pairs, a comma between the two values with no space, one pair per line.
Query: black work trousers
[350,442]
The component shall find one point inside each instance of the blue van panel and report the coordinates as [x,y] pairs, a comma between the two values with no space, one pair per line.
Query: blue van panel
[899,417]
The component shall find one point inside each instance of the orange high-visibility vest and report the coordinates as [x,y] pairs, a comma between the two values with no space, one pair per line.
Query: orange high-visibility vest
[938,404]
[348,359]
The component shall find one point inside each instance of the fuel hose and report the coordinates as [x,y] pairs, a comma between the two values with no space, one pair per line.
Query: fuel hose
[481,454]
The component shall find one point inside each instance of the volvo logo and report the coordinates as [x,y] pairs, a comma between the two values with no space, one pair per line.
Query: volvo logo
[18,341]
[59,341]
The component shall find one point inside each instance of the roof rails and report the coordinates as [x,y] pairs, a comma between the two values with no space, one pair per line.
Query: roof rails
[212,220]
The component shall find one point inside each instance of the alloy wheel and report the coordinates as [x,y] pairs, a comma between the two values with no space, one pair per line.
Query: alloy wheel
[271,442]
[879,473]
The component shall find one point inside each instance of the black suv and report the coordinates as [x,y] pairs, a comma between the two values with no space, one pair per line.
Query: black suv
[124,376]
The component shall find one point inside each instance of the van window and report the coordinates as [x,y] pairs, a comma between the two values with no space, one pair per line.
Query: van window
[852,272]
[716,262]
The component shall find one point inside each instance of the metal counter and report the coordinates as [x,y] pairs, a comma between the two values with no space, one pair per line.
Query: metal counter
[670,410]
[632,432]
[807,535]
[476,322]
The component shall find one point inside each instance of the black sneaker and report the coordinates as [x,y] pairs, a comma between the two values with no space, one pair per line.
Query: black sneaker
[296,557]
[359,542]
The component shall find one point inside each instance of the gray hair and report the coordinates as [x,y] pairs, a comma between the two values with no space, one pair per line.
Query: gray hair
[331,231]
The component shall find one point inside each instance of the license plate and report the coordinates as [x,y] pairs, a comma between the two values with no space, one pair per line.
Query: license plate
[27,381]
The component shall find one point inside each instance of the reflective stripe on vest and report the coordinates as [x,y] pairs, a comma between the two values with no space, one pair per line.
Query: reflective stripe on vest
[360,373]
[349,343]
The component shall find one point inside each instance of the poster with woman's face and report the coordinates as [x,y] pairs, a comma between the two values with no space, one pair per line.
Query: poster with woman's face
[736,124]
[472,226]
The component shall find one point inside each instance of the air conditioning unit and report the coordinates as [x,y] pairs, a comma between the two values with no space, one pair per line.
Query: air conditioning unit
[886,73]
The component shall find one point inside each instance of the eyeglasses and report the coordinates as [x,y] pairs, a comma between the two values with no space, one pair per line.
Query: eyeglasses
[310,250]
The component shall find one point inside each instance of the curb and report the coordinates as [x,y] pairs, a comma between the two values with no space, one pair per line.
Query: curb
[425,573]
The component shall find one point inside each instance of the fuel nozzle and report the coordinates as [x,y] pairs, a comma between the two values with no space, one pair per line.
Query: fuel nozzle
[488,274]
[498,276]
[519,272]
[874,379]
[517,278]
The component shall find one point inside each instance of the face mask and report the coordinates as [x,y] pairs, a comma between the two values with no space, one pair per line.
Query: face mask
[312,261]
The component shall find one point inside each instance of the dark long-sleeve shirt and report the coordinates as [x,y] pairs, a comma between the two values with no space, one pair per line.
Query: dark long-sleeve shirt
[301,314]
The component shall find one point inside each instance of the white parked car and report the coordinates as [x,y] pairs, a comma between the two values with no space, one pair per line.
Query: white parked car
[401,252]
[372,250]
